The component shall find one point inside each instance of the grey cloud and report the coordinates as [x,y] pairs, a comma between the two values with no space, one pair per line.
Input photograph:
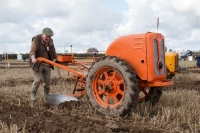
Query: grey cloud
[88,23]
[178,20]
[82,23]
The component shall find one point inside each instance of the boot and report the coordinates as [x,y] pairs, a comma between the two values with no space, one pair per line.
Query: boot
[33,95]
[46,91]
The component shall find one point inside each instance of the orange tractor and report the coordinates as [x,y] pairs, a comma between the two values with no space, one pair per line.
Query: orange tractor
[133,70]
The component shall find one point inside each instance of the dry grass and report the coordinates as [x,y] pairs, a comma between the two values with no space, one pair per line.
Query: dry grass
[177,111]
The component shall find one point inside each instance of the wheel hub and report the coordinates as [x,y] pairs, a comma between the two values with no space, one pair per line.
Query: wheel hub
[110,87]
[107,88]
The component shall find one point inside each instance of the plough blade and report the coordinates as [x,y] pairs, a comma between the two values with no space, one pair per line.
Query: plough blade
[56,99]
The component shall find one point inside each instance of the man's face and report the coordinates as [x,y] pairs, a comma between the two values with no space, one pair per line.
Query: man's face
[46,38]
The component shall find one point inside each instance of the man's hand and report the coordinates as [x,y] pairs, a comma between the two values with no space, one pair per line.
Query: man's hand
[33,59]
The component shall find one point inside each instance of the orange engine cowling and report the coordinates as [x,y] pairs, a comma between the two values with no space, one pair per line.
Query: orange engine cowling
[144,52]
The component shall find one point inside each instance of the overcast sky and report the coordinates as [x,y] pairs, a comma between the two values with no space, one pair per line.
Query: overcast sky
[92,23]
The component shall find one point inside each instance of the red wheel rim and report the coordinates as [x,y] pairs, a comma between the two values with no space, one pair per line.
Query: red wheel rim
[108,87]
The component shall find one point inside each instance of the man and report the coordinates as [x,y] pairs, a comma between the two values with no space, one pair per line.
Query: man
[42,46]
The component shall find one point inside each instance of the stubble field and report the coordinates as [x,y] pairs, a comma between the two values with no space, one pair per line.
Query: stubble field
[177,111]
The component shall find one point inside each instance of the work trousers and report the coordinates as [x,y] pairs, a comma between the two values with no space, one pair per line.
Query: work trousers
[42,77]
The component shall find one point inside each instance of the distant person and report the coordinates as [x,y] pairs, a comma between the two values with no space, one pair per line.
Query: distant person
[94,55]
[3,56]
[42,46]
[23,57]
[6,56]
[194,56]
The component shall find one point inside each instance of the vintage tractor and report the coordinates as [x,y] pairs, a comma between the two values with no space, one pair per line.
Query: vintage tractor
[133,70]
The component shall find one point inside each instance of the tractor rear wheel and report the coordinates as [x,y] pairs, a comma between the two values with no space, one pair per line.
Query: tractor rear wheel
[112,87]
[150,94]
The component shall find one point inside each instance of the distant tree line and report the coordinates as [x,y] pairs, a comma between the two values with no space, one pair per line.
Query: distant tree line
[90,53]
[14,56]
[26,56]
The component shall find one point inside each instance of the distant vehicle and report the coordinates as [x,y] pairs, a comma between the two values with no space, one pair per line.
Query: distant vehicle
[184,55]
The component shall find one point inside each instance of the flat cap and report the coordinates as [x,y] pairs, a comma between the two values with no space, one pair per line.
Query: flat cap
[47,31]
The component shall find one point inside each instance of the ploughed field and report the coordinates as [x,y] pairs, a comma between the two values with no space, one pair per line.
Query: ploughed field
[177,111]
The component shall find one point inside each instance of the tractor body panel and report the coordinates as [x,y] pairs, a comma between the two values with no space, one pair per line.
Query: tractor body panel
[144,52]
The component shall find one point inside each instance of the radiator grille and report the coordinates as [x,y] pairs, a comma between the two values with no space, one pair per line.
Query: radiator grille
[159,57]
[162,53]
[156,57]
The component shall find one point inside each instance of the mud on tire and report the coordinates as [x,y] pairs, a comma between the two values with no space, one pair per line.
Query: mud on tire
[112,86]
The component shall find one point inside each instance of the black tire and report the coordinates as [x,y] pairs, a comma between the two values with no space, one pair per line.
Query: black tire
[170,76]
[128,85]
[154,95]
